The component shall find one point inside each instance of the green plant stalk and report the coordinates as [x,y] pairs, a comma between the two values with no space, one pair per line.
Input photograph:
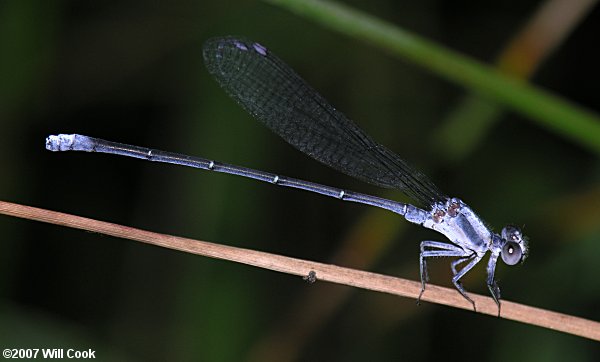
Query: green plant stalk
[548,110]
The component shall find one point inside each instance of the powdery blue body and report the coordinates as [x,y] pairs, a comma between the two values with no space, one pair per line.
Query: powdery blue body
[273,93]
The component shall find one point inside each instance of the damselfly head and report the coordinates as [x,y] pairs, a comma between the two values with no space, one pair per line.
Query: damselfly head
[514,248]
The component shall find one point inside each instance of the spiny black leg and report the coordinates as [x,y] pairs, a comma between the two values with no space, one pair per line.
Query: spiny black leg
[424,275]
[456,279]
[444,249]
[462,291]
[495,291]
[492,285]
[458,283]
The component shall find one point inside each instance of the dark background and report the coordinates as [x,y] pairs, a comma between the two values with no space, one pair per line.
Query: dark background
[132,72]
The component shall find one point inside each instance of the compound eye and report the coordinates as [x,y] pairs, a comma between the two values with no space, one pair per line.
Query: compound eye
[512,233]
[511,253]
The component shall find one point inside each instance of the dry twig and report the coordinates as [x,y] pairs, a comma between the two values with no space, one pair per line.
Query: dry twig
[323,272]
